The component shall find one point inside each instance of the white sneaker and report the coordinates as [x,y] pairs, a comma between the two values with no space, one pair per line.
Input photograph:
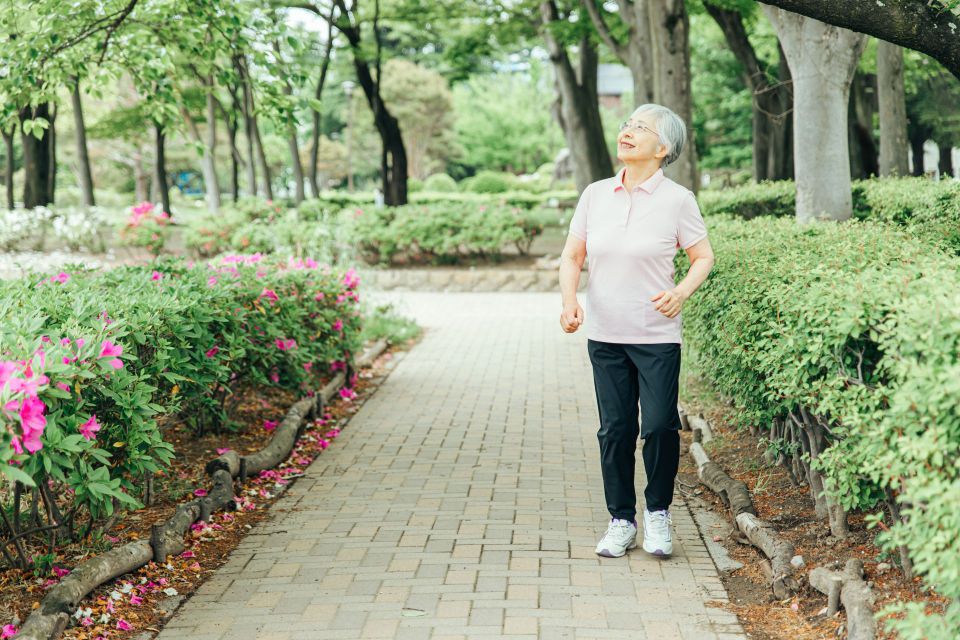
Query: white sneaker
[620,536]
[657,539]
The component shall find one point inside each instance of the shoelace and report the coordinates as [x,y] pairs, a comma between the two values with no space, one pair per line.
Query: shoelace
[660,522]
[620,528]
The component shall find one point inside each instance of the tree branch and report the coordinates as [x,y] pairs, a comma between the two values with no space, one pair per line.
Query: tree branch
[927,27]
[601,25]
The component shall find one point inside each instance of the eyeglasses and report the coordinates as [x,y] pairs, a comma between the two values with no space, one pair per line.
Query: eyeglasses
[626,124]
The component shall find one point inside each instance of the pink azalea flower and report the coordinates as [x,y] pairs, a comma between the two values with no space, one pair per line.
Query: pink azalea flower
[89,428]
[275,376]
[108,348]
[136,600]
[351,279]
[221,451]
[60,277]
[270,425]
[9,631]
[63,385]
[285,344]
[212,280]
[347,393]
[319,296]
[307,366]
[212,351]
[156,275]
[33,422]
[200,493]
[60,571]
[80,342]
[269,294]
[338,325]
[87,622]
[123,625]
[187,554]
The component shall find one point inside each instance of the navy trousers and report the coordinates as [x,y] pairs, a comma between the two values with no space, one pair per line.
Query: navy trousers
[623,375]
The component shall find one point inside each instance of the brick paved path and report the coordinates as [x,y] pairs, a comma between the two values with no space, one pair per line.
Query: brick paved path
[463,500]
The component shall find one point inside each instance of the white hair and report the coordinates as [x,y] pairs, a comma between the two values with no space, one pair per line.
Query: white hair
[670,129]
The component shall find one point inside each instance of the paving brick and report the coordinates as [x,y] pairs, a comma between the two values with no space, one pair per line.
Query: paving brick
[466,489]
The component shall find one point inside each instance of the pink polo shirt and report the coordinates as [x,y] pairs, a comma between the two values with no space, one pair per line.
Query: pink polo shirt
[632,239]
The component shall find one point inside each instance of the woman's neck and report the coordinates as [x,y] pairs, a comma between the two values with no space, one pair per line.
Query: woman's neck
[638,173]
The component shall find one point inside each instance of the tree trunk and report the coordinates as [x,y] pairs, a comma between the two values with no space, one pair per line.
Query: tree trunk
[83,158]
[635,51]
[292,144]
[210,150]
[780,161]
[160,169]
[52,154]
[771,103]
[863,148]
[234,159]
[37,163]
[393,155]
[247,109]
[262,157]
[946,159]
[670,27]
[893,110]
[577,107]
[315,132]
[822,61]
[140,178]
[917,141]
[8,170]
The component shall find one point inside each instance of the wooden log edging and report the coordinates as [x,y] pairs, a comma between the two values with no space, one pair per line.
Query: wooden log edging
[50,619]
[856,596]
[736,496]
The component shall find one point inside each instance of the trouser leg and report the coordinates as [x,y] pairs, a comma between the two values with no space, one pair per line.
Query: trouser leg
[615,383]
[658,367]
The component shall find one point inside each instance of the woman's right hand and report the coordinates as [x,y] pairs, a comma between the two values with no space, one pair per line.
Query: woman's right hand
[571,317]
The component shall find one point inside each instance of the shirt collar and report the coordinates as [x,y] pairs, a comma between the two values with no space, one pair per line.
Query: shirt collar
[647,185]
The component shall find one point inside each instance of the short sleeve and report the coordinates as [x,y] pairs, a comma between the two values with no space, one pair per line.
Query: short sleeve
[690,226]
[578,224]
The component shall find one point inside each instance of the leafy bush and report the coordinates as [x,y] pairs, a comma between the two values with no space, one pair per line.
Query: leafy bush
[857,323]
[931,210]
[414,185]
[326,239]
[441,234]
[440,182]
[488,182]
[89,360]
[76,227]
[384,322]
[148,226]
[341,199]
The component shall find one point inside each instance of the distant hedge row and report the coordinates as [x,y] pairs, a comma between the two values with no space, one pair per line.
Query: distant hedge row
[854,326]
[930,209]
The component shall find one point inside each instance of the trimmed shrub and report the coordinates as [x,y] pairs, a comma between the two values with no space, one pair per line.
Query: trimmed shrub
[488,182]
[441,233]
[857,324]
[440,182]
[90,360]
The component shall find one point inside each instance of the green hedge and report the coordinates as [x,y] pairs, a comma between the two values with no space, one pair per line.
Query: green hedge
[931,210]
[859,323]
[514,198]
[444,234]
[187,337]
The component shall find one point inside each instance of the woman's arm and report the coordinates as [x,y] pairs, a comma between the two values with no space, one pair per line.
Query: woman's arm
[701,257]
[571,262]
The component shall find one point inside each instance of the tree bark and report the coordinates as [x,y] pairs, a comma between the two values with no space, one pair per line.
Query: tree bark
[863,148]
[577,107]
[141,180]
[634,51]
[893,110]
[315,132]
[822,61]
[37,162]
[8,169]
[292,145]
[52,154]
[210,149]
[670,27]
[771,102]
[83,157]
[248,124]
[928,27]
[234,158]
[160,168]
[946,158]
[917,141]
[393,156]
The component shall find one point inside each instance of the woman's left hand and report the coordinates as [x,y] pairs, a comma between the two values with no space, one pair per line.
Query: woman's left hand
[670,302]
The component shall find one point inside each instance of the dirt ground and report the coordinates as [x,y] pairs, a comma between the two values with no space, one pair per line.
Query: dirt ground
[136,605]
[790,509]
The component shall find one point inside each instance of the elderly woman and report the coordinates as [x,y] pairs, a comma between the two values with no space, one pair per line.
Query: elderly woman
[629,228]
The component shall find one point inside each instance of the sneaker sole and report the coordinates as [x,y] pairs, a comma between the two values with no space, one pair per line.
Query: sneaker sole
[658,553]
[606,553]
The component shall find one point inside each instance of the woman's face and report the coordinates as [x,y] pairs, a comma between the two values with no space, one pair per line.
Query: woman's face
[639,141]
